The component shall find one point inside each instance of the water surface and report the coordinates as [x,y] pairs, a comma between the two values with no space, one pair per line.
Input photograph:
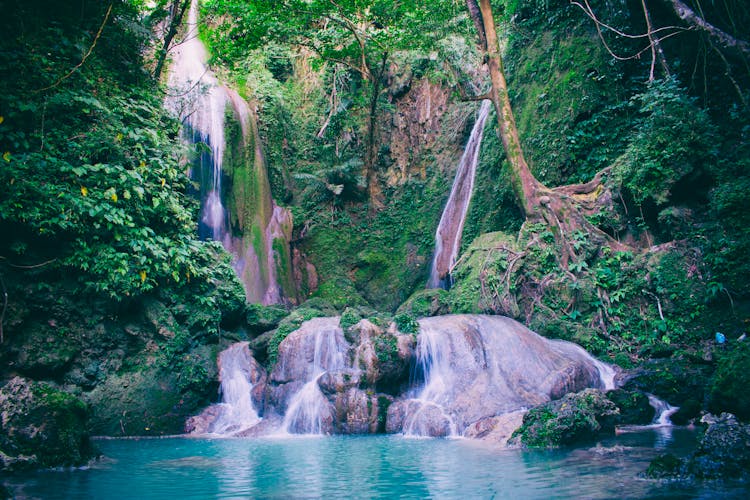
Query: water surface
[368,467]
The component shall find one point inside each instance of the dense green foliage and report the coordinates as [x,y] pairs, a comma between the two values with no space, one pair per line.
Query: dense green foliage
[92,182]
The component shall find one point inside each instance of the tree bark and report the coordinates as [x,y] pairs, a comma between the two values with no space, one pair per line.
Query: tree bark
[689,16]
[526,187]
[178,12]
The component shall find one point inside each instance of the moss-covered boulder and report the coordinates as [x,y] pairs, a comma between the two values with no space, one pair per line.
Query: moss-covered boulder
[424,303]
[729,388]
[153,397]
[577,417]
[722,454]
[724,451]
[41,427]
[633,407]
[480,278]
[680,382]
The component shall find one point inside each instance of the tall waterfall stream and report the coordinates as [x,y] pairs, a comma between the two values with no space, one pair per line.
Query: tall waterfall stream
[451,226]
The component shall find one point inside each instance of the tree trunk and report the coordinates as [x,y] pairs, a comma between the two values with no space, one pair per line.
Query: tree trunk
[371,145]
[525,185]
[562,209]
[178,12]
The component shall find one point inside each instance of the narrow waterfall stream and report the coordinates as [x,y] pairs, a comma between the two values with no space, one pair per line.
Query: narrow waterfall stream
[235,195]
[662,411]
[309,411]
[238,374]
[200,101]
[451,226]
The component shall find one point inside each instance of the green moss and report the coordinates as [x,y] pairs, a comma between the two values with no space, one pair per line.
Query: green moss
[406,323]
[732,378]
[424,303]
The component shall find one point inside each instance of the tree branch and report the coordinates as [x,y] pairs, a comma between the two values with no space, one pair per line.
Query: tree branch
[689,16]
[86,56]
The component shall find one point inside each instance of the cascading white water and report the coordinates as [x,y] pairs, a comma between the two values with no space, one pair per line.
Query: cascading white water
[236,412]
[662,411]
[451,226]
[200,102]
[479,366]
[309,410]
[433,363]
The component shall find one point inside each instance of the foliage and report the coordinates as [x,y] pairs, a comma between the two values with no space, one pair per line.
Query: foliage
[406,323]
[672,139]
[728,389]
[93,181]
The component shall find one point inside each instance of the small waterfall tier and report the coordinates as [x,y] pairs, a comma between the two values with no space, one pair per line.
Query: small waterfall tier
[236,204]
[309,358]
[471,367]
[239,374]
[451,226]
[662,411]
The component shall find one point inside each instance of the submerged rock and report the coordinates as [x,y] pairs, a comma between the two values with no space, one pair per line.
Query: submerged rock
[41,427]
[575,418]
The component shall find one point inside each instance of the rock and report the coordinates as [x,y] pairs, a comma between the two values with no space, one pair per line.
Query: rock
[724,451]
[296,358]
[45,352]
[673,379]
[41,427]
[427,302]
[481,366]
[728,391]
[633,406]
[149,401]
[201,423]
[358,412]
[497,429]
[260,319]
[577,417]
[722,454]
[432,420]
[664,467]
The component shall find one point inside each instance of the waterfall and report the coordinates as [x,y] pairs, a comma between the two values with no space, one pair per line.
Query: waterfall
[662,409]
[309,411]
[236,413]
[472,367]
[200,101]
[432,363]
[236,205]
[451,226]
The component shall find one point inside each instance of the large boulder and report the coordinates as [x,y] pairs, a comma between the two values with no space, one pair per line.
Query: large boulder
[724,451]
[475,366]
[577,417]
[41,427]
[722,454]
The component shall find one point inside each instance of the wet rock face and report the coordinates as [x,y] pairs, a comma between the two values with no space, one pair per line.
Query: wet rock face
[633,406]
[41,427]
[476,367]
[575,418]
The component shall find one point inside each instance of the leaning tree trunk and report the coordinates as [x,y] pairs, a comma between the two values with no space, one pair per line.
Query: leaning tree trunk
[564,208]
[525,185]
